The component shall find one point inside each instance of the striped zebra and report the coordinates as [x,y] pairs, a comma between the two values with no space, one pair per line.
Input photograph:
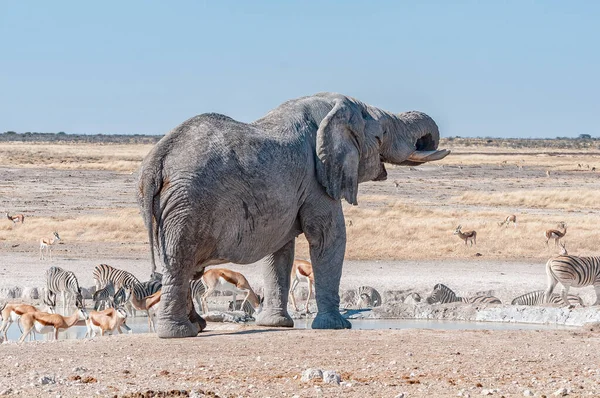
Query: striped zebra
[59,280]
[367,297]
[537,298]
[104,298]
[104,273]
[443,294]
[573,271]
[197,290]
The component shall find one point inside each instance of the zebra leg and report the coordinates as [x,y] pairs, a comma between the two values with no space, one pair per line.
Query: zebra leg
[207,293]
[565,296]
[597,289]
[64,302]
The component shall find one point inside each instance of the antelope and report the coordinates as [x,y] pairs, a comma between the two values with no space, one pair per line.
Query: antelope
[509,219]
[556,234]
[563,249]
[46,244]
[109,320]
[11,313]
[466,236]
[223,279]
[42,322]
[302,271]
[148,304]
[17,218]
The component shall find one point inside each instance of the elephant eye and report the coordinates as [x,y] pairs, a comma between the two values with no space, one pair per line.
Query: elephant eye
[378,140]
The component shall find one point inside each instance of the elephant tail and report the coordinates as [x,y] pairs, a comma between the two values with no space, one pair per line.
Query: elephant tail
[150,203]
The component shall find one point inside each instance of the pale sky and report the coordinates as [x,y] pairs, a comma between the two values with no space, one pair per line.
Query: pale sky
[480,68]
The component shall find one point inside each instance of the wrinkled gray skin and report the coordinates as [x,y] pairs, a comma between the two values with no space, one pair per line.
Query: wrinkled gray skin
[215,190]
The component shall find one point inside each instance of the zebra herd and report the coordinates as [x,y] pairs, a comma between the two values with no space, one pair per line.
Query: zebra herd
[442,294]
[111,284]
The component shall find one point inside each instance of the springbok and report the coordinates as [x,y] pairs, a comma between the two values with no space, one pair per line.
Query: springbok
[46,244]
[17,218]
[11,312]
[509,219]
[223,279]
[109,320]
[556,234]
[43,322]
[148,304]
[302,271]
[466,235]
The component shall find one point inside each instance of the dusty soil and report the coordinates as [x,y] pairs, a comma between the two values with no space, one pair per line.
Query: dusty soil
[255,362]
[233,360]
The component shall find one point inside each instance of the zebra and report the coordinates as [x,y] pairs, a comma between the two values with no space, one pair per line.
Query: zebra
[103,273]
[573,271]
[104,297]
[368,297]
[537,298]
[443,294]
[197,289]
[59,280]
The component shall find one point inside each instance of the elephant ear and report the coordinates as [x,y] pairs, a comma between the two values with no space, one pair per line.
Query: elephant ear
[340,138]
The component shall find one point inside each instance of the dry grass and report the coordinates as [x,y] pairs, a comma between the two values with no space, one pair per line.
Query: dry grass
[400,231]
[107,226]
[114,157]
[565,199]
[414,222]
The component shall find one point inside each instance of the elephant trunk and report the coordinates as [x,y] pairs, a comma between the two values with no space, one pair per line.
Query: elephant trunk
[421,132]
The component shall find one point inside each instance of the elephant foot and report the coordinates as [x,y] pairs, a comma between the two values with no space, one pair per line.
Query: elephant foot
[274,319]
[330,320]
[168,329]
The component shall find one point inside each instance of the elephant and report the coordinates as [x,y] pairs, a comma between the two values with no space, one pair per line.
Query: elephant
[215,190]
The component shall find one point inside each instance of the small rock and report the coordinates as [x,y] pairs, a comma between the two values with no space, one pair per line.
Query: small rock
[311,374]
[331,377]
[527,393]
[401,395]
[486,392]
[8,391]
[47,380]
[79,369]
[561,392]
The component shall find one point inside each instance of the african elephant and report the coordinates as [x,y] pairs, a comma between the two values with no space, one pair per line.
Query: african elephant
[215,190]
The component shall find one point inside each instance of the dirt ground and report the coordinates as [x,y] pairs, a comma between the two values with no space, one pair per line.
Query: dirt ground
[236,360]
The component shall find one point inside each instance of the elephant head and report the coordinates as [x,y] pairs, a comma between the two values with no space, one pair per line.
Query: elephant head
[354,141]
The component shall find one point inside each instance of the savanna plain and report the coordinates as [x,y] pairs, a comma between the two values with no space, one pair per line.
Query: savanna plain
[400,241]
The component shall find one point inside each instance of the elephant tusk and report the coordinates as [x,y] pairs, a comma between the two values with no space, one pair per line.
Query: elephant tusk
[428,156]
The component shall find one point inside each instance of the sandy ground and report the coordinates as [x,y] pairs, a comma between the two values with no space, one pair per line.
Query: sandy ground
[255,362]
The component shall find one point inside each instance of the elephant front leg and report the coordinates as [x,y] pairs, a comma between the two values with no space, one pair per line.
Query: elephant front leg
[173,316]
[277,287]
[327,247]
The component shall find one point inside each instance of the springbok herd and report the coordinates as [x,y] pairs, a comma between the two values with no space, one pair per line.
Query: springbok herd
[119,293]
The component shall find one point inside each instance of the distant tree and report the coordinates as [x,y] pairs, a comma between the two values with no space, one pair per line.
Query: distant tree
[10,132]
[585,137]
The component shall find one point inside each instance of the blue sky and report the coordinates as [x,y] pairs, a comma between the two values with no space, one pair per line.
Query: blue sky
[501,69]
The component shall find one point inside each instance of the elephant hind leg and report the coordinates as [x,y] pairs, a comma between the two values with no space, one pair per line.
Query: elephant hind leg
[173,315]
[277,288]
